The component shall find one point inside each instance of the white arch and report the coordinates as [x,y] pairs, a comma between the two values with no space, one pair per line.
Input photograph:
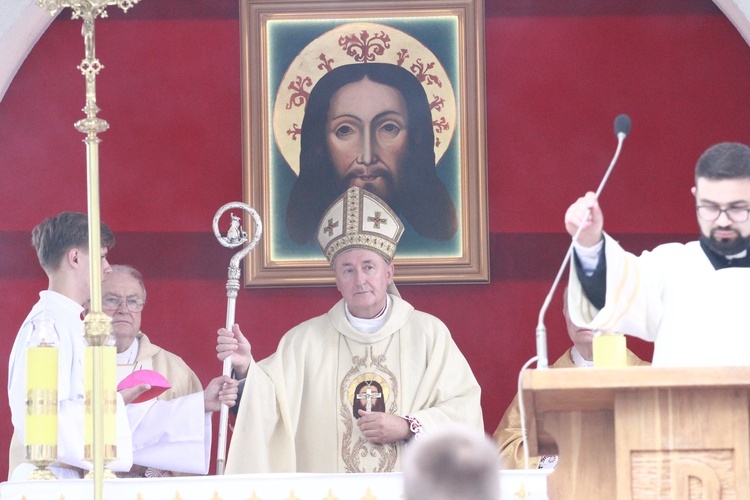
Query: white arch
[738,12]
[22,23]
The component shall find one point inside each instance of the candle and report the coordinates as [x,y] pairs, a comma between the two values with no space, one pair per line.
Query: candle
[40,432]
[610,351]
[88,384]
[109,400]
[41,390]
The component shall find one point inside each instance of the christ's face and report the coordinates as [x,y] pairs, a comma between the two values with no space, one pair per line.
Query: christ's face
[723,235]
[367,136]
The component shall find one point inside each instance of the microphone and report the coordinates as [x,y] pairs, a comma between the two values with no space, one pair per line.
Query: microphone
[622,129]
[622,126]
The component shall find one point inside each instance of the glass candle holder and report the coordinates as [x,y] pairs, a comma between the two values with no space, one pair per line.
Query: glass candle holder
[40,432]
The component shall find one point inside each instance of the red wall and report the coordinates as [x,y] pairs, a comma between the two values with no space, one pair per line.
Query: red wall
[557,75]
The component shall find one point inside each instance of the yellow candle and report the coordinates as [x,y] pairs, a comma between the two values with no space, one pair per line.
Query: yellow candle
[610,351]
[88,384]
[109,394]
[41,391]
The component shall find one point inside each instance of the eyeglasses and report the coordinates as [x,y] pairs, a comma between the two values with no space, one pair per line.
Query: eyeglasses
[113,303]
[712,213]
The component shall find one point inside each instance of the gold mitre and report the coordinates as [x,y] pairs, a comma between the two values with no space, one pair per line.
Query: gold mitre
[359,219]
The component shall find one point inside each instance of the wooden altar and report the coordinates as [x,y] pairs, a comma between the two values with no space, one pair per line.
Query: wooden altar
[642,432]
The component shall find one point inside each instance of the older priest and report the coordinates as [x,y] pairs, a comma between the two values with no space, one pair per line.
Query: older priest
[316,404]
[174,430]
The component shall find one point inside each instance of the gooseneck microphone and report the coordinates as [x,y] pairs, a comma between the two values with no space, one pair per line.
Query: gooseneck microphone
[622,129]
[622,126]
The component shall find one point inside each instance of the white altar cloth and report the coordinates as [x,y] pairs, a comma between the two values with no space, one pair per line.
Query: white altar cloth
[387,486]
[234,487]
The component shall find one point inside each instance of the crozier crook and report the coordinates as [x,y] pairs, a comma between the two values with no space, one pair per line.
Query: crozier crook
[235,237]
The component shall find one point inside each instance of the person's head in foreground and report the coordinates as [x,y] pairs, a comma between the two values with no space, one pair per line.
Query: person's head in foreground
[453,462]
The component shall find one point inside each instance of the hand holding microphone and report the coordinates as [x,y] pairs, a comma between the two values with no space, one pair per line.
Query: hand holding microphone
[584,219]
[585,212]
[585,222]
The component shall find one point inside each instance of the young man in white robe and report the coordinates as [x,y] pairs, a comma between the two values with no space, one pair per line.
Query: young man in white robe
[61,243]
[302,407]
[691,300]
[179,419]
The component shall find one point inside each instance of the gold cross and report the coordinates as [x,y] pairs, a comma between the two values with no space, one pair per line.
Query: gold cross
[377,220]
[521,493]
[369,495]
[329,228]
[330,495]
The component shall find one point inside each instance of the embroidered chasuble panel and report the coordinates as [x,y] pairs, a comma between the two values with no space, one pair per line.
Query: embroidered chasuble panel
[368,379]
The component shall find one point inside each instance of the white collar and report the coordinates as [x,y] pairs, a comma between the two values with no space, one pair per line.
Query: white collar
[372,325]
[740,255]
[578,360]
[129,355]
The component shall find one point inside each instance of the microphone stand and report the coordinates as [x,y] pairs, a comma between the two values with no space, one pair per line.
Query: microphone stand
[622,129]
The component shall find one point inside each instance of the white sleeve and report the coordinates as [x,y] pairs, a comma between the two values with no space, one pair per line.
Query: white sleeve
[588,256]
[173,435]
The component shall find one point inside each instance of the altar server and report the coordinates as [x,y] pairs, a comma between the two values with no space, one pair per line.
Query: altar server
[691,300]
[179,419]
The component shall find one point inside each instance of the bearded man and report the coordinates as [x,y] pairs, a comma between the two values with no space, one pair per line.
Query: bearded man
[690,300]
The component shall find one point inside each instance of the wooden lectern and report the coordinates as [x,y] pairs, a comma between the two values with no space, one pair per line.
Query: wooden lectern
[642,432]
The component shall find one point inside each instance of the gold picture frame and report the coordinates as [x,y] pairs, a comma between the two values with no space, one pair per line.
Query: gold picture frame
[287,48]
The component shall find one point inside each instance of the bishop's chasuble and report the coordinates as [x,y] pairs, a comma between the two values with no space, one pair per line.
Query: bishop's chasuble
[297,412]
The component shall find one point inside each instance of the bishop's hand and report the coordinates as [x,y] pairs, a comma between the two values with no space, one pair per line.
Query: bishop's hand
[233,343]
[381,427]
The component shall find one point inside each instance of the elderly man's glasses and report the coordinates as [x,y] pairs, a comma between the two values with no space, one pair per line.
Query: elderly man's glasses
[112,303]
